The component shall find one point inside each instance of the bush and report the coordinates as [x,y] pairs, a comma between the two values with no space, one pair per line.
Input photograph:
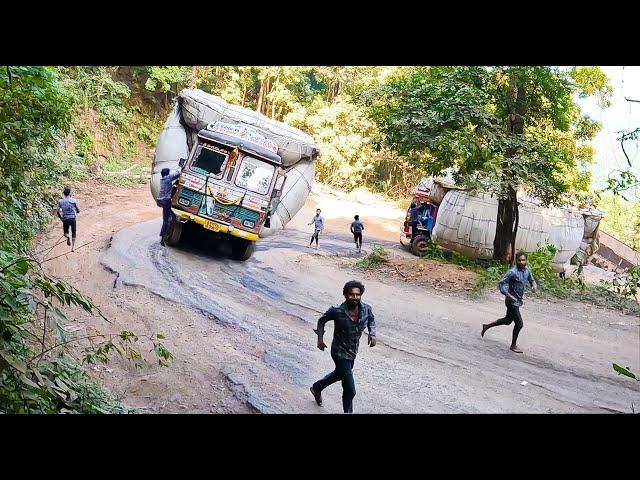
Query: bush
[627,283]
[37,374]
[377,256]
[434,252]
[490,275]
[539,263]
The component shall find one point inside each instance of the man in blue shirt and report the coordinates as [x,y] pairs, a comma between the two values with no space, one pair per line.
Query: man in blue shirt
[67,209]
[512,287]
[164,198]
[350,319]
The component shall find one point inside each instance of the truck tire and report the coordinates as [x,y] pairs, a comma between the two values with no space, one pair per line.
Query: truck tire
[174,232]
[242,249]
[420,244]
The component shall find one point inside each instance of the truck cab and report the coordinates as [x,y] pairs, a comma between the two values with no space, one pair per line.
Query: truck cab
[229,185]
[418,240]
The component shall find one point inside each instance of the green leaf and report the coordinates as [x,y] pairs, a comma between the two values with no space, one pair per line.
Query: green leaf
[28,382]
[624,371]
[15,362]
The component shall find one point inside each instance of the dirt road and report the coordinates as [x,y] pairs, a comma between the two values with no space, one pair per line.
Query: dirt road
[242,332]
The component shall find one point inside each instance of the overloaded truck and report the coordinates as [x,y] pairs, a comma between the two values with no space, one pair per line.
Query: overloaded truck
[465,222]
[243,175]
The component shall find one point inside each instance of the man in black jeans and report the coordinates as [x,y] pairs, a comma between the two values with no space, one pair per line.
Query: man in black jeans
[356,229]
[67,209]
[351,318]
[512,287]
[164,198]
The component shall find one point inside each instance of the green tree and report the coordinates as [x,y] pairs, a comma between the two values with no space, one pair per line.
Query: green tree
[169,79]
[36,376]
[622,218]
[499,129]
[35,110]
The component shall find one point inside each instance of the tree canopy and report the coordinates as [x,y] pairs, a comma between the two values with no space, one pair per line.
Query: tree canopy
[496,129]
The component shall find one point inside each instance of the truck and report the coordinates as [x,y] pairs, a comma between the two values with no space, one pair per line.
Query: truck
[242,177]
[465,222]
[418,242]
[229,184]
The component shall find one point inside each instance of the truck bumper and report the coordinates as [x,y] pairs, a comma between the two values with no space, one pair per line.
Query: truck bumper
[213,225]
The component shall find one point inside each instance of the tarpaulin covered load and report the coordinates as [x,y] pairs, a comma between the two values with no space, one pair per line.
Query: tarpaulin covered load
[591,238]
[466,223]
[195,109]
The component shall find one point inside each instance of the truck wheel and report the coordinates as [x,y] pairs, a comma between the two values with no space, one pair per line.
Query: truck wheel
[420,244]
[242,249]
[174,232]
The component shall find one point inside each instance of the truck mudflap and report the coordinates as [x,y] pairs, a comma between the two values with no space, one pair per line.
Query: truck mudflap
[212,225]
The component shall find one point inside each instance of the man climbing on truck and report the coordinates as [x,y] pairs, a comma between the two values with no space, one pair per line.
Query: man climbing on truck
[164,198]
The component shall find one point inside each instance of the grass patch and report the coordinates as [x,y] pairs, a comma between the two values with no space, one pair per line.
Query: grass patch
[378,256]
[616,295]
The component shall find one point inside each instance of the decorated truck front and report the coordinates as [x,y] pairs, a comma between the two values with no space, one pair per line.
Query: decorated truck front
[230,183]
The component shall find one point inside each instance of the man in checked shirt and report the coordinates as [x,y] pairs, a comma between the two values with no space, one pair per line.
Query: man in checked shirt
[351,318]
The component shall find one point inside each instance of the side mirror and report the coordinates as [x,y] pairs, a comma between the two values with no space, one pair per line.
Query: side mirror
[181,162]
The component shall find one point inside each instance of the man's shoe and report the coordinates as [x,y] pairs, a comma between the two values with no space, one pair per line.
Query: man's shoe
[317,396]
[162,242]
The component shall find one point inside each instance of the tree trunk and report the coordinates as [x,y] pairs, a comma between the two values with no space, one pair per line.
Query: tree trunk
[504,243]
[333,88]
[506,227]
[194,77]
[264,84]
[265,102]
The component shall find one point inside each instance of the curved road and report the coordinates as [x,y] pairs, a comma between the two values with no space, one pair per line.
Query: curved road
[430,357]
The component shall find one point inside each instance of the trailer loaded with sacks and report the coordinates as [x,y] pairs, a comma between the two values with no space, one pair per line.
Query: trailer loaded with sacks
[465,222]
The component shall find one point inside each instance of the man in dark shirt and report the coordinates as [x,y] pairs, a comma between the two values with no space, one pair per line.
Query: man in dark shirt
[356,228]
[164,198]
[414,214]
[512,287]
[67,209]
[351,318]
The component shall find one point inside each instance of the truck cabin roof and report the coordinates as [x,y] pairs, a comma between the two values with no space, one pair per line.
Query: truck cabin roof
[246,147]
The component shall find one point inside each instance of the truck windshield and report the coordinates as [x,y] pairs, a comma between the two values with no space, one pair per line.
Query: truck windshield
[255,175]
[209,160]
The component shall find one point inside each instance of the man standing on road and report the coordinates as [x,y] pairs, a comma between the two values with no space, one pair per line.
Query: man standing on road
[67,209]
[351,318]
[356,228]
[512,287]
[164,198]
[318,222]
